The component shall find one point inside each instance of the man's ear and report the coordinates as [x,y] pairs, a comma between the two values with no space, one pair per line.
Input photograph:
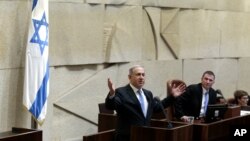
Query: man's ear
[129,76]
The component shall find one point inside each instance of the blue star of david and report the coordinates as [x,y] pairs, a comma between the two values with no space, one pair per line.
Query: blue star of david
[36,38]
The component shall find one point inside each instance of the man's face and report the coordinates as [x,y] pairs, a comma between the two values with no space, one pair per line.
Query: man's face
[137,78]
[207,81]
[243,100]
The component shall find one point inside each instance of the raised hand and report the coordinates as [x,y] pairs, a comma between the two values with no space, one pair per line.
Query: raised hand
[111,87]
[176,87]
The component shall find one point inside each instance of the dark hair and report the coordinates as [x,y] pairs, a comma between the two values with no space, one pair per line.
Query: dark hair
[238,94]
[209,73]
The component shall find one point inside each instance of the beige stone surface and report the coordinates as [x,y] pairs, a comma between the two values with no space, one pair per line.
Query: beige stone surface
[67,127]
[202,32]
[11,94]
[174,3]
[162,50]
[126,44]
[84,98]
[13,32]
[199,34]
[149,51]
[225,70]
[67,1]
[228,5]
[235,34]
[115,2]
[169,30]
[243,74]
[81,37]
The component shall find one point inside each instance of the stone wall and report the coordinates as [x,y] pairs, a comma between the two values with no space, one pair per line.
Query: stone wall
[91,40]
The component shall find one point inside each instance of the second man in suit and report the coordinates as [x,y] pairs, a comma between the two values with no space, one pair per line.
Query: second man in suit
[196,98]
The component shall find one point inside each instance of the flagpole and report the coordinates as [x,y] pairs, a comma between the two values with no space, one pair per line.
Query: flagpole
[33,123]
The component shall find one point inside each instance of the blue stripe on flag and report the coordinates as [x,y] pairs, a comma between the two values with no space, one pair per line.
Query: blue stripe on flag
[41,96]
[34,4]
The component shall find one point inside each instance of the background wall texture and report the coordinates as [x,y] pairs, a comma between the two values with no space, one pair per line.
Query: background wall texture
[91,40]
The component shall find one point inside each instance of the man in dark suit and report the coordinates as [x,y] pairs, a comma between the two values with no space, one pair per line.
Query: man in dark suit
[194,101]
[134,105]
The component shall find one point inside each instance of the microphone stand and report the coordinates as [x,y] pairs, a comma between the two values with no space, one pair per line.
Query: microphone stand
[169,124]
[218,91]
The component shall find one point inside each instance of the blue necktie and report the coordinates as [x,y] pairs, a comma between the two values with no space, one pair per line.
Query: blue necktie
[141,100]
[206,102]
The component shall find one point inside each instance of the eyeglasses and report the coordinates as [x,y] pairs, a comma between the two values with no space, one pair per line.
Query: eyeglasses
[245,98]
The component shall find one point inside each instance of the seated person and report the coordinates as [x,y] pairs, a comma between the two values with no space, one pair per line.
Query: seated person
[241,98]
[194,101]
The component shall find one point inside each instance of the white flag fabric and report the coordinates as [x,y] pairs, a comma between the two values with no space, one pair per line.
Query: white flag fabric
[36,77]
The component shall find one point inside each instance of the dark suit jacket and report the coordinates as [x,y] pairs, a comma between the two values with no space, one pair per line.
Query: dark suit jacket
[189,103]
[129,111]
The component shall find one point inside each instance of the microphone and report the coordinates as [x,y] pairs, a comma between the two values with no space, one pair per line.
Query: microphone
[218,91]
[157,99]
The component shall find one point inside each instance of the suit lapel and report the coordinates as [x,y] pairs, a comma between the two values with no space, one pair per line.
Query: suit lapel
[200,94]
[134,99]
[132,96]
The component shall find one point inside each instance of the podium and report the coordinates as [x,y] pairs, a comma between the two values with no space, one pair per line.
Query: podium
[21,134]
[219,130]
[232,111]
[106,122]
[107,135]
[158,131]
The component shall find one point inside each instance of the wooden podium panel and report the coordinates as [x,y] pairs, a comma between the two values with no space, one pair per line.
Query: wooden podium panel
[179,132]
[101,136]
[232,111]
[106,122]
[21,134]
[217,131]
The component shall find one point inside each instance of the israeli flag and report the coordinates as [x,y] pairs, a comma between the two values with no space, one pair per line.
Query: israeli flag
[36,79]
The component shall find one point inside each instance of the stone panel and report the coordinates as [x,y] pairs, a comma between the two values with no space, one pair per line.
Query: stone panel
[199,33]
[115,2]
[244,75]
[84,98]
[67,127]
[76,33]
[228,5]
[170,31]
[235,34]
[174,3]
[14,23]
[162,50]
[127,41]
[11,99]
[211,34]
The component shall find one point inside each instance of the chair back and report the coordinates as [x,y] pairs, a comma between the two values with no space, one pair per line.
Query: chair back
[103,109]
